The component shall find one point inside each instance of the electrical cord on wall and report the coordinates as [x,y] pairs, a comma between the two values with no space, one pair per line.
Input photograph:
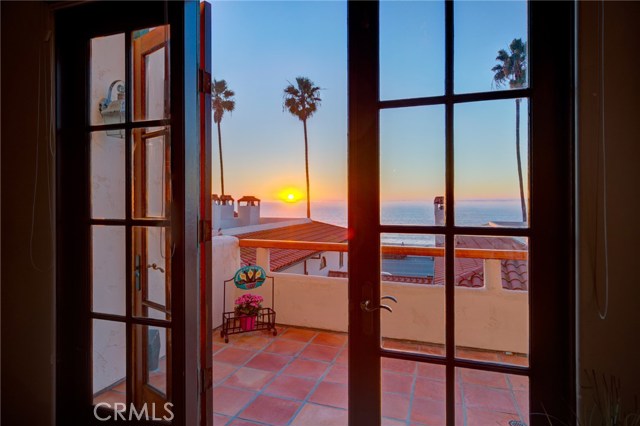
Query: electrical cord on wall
[602,311]
[48,104]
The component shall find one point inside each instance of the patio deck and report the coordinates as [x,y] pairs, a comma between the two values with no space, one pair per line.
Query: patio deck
[299,378]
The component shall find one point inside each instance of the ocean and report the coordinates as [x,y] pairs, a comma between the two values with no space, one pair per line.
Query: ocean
[468,213]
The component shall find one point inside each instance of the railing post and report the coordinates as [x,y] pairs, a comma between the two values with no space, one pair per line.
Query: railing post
[263,259]
[492,275]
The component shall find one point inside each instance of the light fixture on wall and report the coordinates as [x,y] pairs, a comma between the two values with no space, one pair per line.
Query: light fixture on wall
[112,111]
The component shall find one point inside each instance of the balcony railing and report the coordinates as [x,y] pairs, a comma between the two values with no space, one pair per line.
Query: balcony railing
[489,317]
[389,249]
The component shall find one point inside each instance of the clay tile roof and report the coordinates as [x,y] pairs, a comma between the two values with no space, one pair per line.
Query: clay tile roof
[214,197]
[390,278]
[249,198]
[226,198]
[282,258]
[470,272]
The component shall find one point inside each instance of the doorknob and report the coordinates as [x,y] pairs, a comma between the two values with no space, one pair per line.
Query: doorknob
[366,307]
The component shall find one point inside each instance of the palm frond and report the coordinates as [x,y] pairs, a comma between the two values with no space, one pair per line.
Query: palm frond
[303,99]
[221,99]
[512,66]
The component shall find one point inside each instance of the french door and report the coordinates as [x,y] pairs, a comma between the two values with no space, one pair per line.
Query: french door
[132,327]
[540,360]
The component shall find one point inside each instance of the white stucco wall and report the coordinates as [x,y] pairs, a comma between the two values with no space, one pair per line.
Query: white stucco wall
[108,201]
[225,263]
[486,318]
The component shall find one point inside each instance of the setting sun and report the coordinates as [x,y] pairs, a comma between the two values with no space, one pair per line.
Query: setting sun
[290,195]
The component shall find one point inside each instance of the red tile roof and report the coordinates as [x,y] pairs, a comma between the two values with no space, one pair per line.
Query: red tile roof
[283,258]
[468,272]
[391,278]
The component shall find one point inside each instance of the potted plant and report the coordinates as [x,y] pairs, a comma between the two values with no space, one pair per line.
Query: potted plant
[247,308]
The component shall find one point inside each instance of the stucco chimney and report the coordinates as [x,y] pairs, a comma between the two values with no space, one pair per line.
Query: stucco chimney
[248,210]
[438,212]
[222,212]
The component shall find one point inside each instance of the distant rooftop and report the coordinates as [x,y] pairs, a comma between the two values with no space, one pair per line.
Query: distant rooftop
[470,272]
[282,258]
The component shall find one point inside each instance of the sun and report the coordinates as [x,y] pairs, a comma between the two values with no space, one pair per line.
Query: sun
[290,195]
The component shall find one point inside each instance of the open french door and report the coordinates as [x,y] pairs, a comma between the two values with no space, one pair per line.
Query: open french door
[542,244]
[133,163]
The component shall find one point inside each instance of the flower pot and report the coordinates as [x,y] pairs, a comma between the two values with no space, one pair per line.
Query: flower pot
[248,323]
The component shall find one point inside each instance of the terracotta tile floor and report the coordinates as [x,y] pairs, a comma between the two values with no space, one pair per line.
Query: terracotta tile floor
[299,378]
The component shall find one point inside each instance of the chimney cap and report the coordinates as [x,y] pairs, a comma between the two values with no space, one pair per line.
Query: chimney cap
[249,198]
[214,197]
[226,198]
[438,200]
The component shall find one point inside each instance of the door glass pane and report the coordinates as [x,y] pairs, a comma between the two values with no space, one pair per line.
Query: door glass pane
[109,363]
[151,73]
[487,184]
[152,364]
[411,49]
[492,398]
[152,251]
[151,172]
[107,176]
[412,393]
[108,81]
[492,299]
[413,272]
[412,164]
[482,30]
[108,265]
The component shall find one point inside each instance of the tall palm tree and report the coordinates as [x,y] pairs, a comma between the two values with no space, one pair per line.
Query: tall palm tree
[512,69]
[302,101]
[222,100]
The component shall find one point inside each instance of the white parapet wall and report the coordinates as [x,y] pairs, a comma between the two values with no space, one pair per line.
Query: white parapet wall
[489,318]
[225,263]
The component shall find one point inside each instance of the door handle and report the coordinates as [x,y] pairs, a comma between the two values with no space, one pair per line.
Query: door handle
[366,307]
[392,298]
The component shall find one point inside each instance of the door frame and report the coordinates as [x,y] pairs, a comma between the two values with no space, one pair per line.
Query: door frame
[74,27]
[551,230]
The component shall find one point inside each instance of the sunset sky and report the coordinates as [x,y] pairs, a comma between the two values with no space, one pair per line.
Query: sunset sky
[258,47]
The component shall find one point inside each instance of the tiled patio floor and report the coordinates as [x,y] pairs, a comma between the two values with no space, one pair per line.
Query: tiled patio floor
[299,378]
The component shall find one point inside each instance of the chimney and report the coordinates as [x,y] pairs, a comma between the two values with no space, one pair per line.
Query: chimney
[222,212]
[438,212]
[248,210]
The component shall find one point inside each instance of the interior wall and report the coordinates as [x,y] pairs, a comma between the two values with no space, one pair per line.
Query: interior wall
[28,297]
[609,346]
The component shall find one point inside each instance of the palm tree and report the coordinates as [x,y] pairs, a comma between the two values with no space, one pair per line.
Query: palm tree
[513,69]
[302,101]
[222,100]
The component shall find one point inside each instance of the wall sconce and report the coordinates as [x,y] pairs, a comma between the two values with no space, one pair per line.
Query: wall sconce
[112,111]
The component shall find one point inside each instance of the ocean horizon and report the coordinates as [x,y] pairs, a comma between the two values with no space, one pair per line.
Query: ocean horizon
[467,212]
